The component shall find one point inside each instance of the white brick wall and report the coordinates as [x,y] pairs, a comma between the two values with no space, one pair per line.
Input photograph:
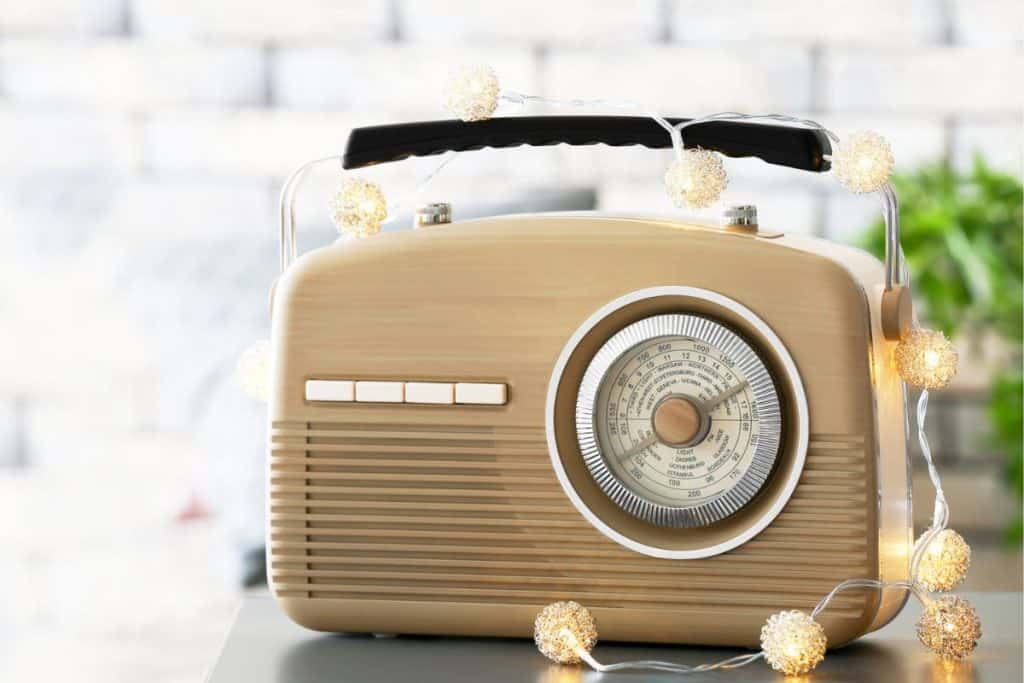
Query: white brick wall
[471,23]
[932,81]
[821,22]
[125,73]
[295,21]
[396,82]
[61,140]
[682,81]
[998,143]
[62,17]
[179,208]
[254,142]
[988,22]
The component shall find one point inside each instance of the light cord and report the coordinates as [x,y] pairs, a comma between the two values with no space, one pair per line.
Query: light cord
[940,514]
[743,660]
[669,667]
[896,273]
[286,208]
[601,103]
[896,269]
[895,263]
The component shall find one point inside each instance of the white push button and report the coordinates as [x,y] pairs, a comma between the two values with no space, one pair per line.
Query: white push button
[380,392]
[430,392]
[330,390]
[481,394]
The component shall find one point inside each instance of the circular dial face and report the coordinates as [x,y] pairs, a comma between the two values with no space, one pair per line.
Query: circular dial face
[679,420]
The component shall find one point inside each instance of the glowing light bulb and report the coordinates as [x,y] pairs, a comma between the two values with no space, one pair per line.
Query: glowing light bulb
[358,207]
[472,92]
[696,179]
[949,627]
[863,162]
[926,359]
[563,630]
[944,564]
[254,370]
[792,642]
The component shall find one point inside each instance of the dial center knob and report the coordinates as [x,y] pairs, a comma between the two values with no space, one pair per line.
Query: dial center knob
[677,421]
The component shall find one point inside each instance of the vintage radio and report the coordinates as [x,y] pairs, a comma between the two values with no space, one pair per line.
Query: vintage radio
[684,427]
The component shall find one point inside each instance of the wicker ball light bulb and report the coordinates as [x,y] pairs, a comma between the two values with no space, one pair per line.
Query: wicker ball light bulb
[472,92]
[926,359]
[863,162]
[696,179]
[563,629]
[949,627]
[792,642]
[944,564]
[358,207]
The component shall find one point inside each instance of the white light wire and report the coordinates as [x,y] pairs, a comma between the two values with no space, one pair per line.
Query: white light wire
[743,660]
[669,667]
[940,514]
[895,273]
[601,103]
[895,270]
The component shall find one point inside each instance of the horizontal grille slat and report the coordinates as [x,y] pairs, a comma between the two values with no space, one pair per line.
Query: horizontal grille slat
[370,516]
[372,559]
[467,513]
[809,550]
[710,587]
[593,598]
[315,464]
[311,549]
[411,447]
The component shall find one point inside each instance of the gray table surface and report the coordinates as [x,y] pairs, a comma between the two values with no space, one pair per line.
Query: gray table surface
[264,646]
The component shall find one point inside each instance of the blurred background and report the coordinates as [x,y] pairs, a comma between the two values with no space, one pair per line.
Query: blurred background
[142,147]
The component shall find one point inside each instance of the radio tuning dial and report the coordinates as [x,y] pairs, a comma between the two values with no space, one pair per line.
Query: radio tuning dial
[678,420]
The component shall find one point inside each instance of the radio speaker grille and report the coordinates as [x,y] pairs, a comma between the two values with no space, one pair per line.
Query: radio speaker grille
[471,514]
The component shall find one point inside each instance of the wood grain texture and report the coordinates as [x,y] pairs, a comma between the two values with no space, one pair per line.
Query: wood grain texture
[449,518]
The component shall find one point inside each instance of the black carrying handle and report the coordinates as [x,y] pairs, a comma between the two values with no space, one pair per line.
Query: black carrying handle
[801,148]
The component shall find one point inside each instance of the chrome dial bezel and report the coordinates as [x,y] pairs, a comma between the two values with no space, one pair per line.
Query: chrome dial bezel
[747,361]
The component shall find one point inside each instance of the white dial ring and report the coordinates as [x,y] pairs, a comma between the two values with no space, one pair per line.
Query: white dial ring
[635,496]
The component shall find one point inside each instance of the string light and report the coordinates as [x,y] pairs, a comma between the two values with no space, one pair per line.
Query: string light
[696,178]
[926,359]
[254,370]
[565,631]
[863,162]
[944,564]
[793,643]
[949,627]
[472,92]
[358,207]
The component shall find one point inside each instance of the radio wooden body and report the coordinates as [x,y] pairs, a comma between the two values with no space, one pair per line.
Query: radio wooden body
[470,421]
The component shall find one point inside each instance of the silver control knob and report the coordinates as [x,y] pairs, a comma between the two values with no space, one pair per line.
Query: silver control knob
[741,217]
[436,213]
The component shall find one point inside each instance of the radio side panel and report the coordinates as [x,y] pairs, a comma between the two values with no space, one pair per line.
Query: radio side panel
[895,514]
[448,519]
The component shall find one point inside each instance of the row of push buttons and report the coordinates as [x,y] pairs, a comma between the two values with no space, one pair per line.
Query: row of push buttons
[436,393]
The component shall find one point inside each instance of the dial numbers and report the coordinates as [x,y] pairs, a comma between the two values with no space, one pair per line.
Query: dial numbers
[665,471]
[678,420]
